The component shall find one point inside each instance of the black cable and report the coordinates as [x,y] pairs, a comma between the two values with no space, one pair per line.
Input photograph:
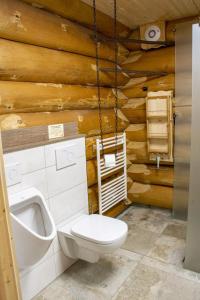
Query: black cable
[116,73]
[97,75]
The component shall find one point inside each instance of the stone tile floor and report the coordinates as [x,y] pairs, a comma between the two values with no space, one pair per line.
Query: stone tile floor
[148,267]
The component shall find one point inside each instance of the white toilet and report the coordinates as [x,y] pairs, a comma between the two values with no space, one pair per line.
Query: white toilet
[89,236]
[33,226]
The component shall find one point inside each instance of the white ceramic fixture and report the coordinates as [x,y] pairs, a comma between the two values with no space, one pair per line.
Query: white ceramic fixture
[89,236]
[33,226]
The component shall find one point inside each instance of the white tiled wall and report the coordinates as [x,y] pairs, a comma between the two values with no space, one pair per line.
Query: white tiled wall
[65,191]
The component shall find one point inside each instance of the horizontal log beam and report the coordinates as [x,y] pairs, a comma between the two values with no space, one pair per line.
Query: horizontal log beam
[137,153]
[163,83]
[81,12]
[91,172]
[155,195]
[87,120]
[160,60]
[129,182]
[149,174]
[136,132]
[51,31]
[38,97]
[37,64]
[135,110]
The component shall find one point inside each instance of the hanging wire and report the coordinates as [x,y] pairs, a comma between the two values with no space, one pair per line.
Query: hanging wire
[116,72]
[97,74]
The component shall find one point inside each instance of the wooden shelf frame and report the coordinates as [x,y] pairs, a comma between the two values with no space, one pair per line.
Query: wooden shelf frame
[9,275]
[164,139]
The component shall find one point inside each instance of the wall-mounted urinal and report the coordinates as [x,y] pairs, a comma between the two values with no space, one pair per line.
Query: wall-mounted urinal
[32,225]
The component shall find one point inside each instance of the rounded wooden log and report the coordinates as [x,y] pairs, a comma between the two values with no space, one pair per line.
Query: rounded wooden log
[149,174]
[94,205]
[136,132]
[51,31]
[87,120]
[81,12]
[135,34]
[135,81]
[129,182]
[93,199]
[163,83]
[37,64]
[137,153]
[159,60]
[38,97]
[91,172]
[135,110]
[155,195]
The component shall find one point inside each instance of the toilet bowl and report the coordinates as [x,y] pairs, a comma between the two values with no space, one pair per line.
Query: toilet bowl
[88,237]
[32,225]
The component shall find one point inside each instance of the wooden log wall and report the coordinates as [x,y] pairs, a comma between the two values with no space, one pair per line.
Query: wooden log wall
[48,73]
[50,31]
[80,12]
[149,186]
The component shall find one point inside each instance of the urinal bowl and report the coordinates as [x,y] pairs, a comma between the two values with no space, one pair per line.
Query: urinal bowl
[32,225]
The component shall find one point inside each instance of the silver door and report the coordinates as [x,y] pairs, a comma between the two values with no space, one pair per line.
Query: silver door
[192,254]
[183,104]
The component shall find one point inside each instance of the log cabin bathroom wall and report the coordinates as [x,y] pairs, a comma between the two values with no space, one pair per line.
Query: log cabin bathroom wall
[48,75]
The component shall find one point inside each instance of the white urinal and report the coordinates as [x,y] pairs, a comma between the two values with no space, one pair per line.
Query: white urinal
[32,225]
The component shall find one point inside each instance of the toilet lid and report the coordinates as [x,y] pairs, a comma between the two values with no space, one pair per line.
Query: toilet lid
[99,229]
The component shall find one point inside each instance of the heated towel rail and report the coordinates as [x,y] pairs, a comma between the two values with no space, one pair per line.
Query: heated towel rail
[111,191]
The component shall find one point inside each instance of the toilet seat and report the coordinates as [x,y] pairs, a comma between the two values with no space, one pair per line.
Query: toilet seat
[99,229]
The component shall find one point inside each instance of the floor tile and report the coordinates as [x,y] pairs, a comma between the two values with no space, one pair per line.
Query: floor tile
[56,292]
[149,283]
[154,220]
[172,269]
[105,276]
[177,230]
[168,249]
[139,240]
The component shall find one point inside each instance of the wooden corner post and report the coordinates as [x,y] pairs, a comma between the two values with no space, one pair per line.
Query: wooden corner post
[9,279]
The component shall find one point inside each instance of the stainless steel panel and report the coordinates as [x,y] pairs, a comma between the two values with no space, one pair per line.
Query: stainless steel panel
[183,64]
[192,258]
[183,119]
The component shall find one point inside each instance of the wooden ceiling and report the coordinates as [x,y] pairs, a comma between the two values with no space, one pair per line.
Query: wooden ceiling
[136,12]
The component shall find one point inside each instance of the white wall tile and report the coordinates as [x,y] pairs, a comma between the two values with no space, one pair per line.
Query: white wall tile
[30,159]
[61,180]
[36,179]
[76,145]
[38,278]
[62,262]
[63,206]
[68,190]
